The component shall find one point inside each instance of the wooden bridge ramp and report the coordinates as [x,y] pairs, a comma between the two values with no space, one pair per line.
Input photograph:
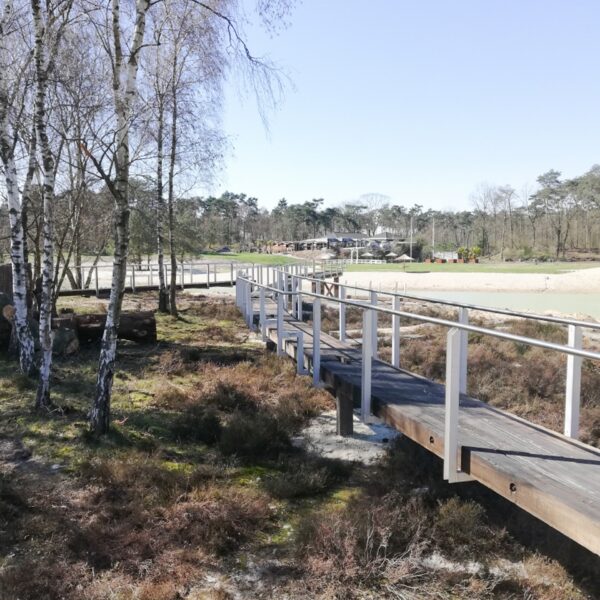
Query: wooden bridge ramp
[547,474]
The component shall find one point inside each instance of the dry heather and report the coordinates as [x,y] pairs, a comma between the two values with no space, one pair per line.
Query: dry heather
[199,492]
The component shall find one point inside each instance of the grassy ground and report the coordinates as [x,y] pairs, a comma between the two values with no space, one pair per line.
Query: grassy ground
[198,492]
[483,267]
[249,257]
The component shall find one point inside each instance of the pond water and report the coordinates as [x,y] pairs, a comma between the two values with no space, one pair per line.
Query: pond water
[538,302]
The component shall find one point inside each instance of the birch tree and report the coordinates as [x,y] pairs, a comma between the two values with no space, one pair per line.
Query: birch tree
[48,29]
[15,62]
[124,83]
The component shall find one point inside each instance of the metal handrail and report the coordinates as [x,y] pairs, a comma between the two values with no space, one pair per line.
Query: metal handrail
[456,349]
[436,321]
[488,309]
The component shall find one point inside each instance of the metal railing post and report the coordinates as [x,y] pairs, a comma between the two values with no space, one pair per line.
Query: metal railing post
[463,317]
[573,393]
[316,358]
[298,299]
[262,316]
[374,329]
[280,351]
[396,333]
[367,365]
[207,275]
[97,285]
[133,278]
[231,272]
[342,314]
[249,308]
[452,405]
[182,276]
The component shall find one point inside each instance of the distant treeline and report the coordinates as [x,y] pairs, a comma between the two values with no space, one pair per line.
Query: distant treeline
[561,215]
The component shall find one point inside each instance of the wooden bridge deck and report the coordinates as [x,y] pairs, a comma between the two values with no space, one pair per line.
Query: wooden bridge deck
[547,474]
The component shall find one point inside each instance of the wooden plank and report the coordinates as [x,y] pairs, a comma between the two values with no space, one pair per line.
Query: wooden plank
[543,472]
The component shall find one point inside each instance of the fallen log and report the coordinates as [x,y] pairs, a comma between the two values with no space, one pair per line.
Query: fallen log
[135,326]
[72,329]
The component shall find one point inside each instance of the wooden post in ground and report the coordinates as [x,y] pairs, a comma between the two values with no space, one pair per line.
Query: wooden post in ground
[343,404]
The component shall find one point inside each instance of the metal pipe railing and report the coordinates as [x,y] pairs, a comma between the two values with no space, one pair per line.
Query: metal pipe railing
[488,309]
[456,357]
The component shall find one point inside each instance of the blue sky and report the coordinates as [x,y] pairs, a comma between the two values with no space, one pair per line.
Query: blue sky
[420,100]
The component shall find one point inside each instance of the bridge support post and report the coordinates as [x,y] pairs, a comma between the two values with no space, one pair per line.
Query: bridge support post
[396,333]
[342,315]
[249,308]
[452,472]
[573,394]
[316,358]
[374,329]
[345,414]
[463,317]
[367,364]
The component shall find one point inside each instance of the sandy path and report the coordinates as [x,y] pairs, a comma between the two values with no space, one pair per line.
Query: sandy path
[581,281]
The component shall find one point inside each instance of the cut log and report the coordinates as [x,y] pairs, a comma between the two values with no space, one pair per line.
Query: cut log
[72,329]
[135,326]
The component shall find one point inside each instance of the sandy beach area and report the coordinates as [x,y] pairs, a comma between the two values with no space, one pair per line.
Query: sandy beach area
[584,281]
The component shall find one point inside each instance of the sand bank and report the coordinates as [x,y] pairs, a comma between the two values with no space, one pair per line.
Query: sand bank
[582,281]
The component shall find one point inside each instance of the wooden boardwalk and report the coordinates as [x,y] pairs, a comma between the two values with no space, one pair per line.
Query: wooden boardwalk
[553,477]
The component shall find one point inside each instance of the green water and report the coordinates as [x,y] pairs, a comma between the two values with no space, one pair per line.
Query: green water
[538,302]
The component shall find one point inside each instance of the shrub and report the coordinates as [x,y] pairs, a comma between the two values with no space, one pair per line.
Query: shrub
[306,477]
[460,530]
[218,519]
[258,435]
[197,424]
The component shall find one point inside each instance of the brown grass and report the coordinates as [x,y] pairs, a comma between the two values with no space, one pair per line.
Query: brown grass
[198,477]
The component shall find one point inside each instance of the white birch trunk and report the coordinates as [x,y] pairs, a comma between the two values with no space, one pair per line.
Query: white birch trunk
[43,391]
[17,237]
[125,92]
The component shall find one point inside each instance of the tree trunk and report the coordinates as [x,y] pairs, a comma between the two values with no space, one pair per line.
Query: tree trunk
[125,91]
[45,330]
[134,326]
[19,270]
[171,197]
[163,296]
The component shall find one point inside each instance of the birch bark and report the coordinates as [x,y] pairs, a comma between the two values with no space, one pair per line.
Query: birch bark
[41,76]
[125,92]
[15,206]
